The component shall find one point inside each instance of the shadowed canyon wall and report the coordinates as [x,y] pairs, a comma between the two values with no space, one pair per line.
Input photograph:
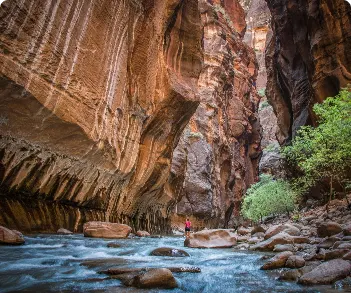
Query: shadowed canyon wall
[217,156]
[94,97]
[308,58]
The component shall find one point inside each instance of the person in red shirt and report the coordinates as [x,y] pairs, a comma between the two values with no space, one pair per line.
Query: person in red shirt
[187,228]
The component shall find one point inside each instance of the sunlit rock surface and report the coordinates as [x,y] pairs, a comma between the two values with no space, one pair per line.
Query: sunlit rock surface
[217,156]
[308,58]
[94,97]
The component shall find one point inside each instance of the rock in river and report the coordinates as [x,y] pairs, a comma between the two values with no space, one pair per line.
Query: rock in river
[167,251]
[215,238]
[12,237]
[106,230]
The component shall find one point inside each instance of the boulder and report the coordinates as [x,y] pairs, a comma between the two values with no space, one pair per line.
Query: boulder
[254,240]
[242,238]
[347,229]
[10,237]
[258,235]
[142,233]
[167,251]
[284,247]
[258,229]
[106,230]
[214,238]
[326,229]
[328,242]
[336,253]
[327,272]
[295,262]
[281,238]
[345,245]
[242,246]
[243,231]
[277,261]
[290,275]
[276,229]
[347,256]
[63,231]
[155,278]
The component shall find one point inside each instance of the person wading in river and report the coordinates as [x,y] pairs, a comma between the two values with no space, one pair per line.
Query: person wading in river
[187,228]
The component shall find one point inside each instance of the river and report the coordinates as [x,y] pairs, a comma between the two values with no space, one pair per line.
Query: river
[53,263]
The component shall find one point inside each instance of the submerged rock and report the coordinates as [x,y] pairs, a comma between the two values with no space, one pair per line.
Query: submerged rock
[113,245]
[327,273]
[106,230]
[167,251]
[215,238]
[11,237]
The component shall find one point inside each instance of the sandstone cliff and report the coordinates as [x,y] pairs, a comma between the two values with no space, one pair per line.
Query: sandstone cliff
[217,156]
[308,58]
[94,97]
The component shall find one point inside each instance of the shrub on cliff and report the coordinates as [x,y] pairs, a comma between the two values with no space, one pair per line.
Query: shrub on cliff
[268,197]
[324,152]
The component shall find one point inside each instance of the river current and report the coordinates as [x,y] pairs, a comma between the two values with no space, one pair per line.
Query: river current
[53,263]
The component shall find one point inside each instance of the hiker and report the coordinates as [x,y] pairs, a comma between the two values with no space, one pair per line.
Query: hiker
[187,228]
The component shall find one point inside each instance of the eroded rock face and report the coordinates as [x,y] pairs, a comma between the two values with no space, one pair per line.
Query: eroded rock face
[94,97]
[308,58]
[217,156]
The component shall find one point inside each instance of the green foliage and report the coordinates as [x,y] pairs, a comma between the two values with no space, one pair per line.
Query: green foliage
[324,152]
[268,197]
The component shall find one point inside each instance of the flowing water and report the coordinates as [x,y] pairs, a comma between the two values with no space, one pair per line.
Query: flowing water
[53,263]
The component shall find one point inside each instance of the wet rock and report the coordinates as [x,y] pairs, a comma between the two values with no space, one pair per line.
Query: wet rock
[326,229]
[155,278]
[243,231]
[142,233]
[281,238]
[258,229]
[63,231]
[327,273]
[106,230]
[10,237]
[113,245]
[290,275]
[295,261]
[95,263]
[120,271]
[278,261]
[167,251]
[276,229]
[242,246]
[216,238]
[284,247]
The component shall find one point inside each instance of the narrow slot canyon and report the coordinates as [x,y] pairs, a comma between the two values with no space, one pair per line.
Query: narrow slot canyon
[134,132]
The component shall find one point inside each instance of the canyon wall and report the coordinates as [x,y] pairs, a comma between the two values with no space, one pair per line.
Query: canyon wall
[94,97]
[308,58]
[217,156]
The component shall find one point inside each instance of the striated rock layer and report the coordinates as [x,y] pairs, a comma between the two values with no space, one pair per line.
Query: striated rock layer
[308,58]
[217,156]
[94,97]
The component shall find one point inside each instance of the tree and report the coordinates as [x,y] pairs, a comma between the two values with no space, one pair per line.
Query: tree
[268,197]
[324,152]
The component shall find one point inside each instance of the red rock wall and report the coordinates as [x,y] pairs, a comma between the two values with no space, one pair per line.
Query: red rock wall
[216,158]
[94,97]
[308,58]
